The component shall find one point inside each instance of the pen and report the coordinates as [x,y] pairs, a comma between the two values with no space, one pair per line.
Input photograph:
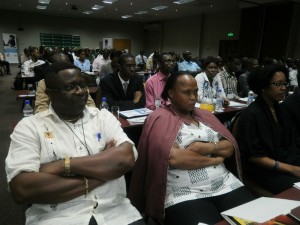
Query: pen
[99,136]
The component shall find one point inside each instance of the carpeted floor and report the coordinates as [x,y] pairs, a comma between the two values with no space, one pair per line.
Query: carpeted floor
[10,114]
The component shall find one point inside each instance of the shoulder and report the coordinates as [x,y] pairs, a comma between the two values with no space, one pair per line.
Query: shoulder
[108,78]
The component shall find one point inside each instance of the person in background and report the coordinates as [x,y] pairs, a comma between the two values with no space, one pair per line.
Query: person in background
[39,71]
[5,63]
[68,162]
[11,41]
[102,59]
[266,137]
[125,88]
[209,80]
[228,78]
[293,73]
[32,62]
[24,56]
[244,89]
[188,65]
[68,52]
[141,60]
[113,65]
[89,55]
[156,83]
[151,64]
[180,176]
[82,63]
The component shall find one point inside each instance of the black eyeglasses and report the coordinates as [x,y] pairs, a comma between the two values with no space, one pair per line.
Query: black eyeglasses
[280,84]
[129,65]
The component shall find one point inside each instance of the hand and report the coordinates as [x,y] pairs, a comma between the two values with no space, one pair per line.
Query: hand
[56,167]
[110,144]
[137,96]
[226,102]
[296,171]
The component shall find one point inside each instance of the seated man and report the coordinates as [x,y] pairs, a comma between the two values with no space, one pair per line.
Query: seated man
[69,161]
[39,70]
[42,100]
[5,63]
[155,84]
[124,89]
[188,65]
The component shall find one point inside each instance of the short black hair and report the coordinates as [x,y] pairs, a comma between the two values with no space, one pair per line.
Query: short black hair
[51,73]
[260,77]
[171,81]
[161,56]
[115,53]
[123,57]
[208,60]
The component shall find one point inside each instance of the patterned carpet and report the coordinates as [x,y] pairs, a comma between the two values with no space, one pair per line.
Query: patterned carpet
[10,114]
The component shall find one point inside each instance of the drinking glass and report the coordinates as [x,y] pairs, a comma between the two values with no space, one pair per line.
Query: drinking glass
[157,102]
[115,110]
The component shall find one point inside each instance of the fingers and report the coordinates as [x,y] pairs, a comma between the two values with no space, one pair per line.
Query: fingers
[110,144]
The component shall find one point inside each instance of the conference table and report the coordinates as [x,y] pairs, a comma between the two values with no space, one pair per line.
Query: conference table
[134,131]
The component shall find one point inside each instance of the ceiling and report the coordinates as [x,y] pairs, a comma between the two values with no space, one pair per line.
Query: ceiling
[120,8]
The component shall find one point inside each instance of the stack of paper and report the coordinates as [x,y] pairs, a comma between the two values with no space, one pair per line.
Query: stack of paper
[297,185]
[237,104]
[137,120]
[135,113]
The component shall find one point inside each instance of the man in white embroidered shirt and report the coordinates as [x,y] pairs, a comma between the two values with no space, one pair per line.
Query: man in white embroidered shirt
[68,162]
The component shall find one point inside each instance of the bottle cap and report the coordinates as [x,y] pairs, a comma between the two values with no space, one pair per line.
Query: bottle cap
[103,99]
[27,102]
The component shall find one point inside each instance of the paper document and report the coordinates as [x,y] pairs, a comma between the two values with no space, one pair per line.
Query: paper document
[137,120]
[262,209]
[297,185]
[135,112]
[237,104]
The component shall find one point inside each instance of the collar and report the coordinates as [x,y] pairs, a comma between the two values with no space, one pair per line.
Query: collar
[123,81]
[176,112]
[162,76]
[88,112]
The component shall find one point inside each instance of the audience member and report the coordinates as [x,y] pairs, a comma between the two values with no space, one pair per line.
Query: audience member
[68,52]
[5,63]
[39,71]
[293,73]
[228,78]
[112,66]
[180,176]
[32,62]
[141,60]
[24,56]
[124,89]
[244,89]
[188,65]
[156,83]
[102,59]
[42,100]
[69,161]
[82,63]
[89,55]
[209,81]
[265,136]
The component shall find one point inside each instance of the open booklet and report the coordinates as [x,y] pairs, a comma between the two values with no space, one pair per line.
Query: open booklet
[135,113]
[264,211]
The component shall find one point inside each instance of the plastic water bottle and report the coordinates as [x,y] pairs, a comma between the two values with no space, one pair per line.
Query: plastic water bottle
[251,97]
[104,104]
[27,110]
[219,102]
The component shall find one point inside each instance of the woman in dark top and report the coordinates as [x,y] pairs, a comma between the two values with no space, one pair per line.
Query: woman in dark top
[265,136]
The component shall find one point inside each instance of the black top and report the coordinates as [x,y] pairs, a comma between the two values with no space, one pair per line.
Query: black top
[258,134]
[112,89]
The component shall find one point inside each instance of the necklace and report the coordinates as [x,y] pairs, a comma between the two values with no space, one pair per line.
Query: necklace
[84,144]
[274,114]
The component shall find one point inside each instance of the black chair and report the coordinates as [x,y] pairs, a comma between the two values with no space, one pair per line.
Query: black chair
[2,69]
[253,187]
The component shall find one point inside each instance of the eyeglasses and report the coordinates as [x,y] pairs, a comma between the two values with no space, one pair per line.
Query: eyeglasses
[280,84]
[129,65]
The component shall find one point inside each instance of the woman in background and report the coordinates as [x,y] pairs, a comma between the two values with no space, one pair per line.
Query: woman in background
[83,63]
[265,135]
[180,177]
[209,81]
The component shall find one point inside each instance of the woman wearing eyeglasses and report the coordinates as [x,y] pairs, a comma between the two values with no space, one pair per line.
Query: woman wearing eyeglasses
[265,136]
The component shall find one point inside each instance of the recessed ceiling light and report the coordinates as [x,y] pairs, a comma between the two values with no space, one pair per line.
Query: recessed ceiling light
[126,16]
[44,1]
[160,7]
[97,7]
[179,2]
[87,12]
[109,1]
[141,12]
[41,7]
